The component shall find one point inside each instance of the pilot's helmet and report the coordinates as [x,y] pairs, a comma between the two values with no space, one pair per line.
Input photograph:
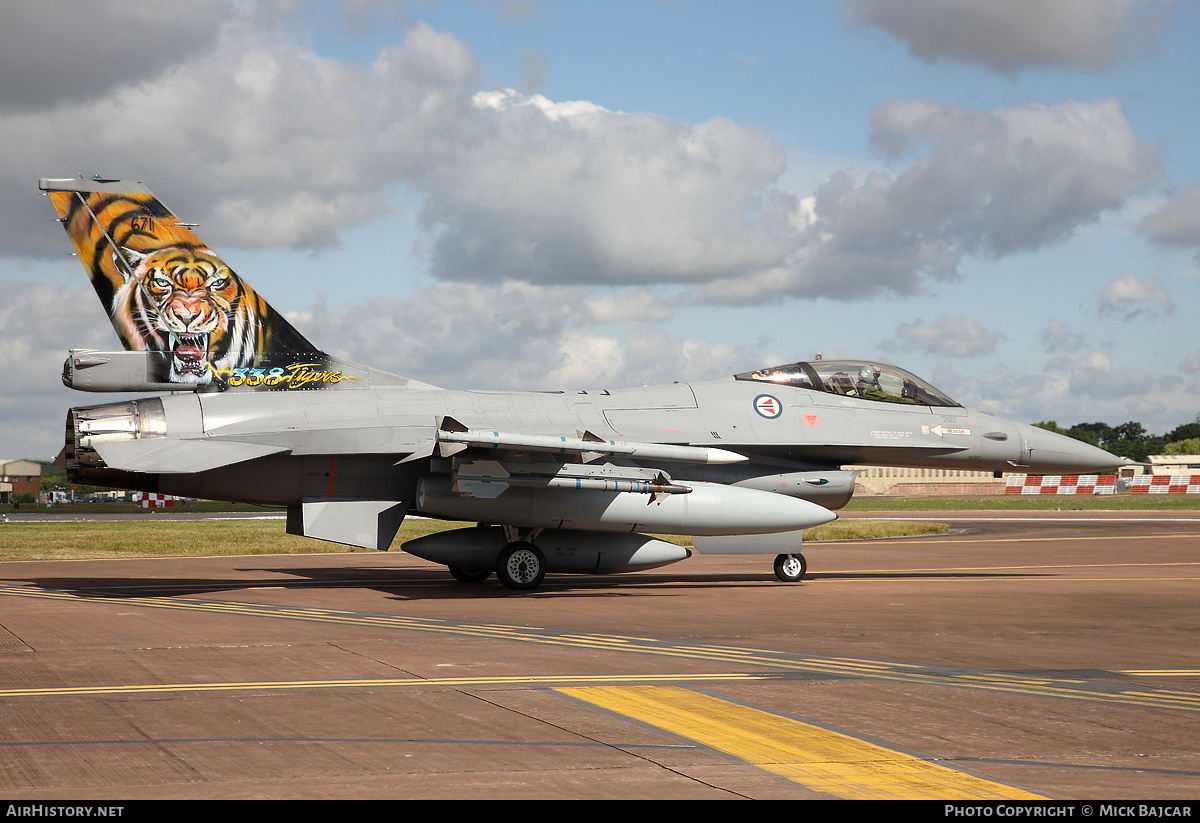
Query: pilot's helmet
[868,374]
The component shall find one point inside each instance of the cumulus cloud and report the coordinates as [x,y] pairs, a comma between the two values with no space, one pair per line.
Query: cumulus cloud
[569,192]
[1080,387]
[517,335]
[1085,387]
[1019,177]
[1060,337]
[1129,297]
[1009,36]
[531,69]
[73,50]
[642,305]
[514,10]
[294,148]
[1178,222]
[951,335]
[32,319]
[987,183]
[297,148]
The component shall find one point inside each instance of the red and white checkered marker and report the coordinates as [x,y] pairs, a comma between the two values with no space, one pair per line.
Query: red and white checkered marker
[1061,484]
[1165,484]
[148,500]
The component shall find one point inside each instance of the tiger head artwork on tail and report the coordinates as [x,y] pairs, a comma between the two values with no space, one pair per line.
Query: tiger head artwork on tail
[168,293]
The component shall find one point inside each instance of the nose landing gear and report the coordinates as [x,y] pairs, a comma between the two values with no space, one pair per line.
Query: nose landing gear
[790,568]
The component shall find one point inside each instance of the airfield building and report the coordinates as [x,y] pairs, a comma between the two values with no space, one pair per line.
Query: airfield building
[19,477]
[1174,463]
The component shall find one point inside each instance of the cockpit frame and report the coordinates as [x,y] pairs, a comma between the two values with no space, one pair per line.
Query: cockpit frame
[865,379]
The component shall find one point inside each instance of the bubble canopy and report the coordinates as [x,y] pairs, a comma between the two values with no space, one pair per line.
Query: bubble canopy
[854,378]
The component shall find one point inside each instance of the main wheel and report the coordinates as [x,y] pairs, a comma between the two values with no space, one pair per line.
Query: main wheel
[790,568]
[521,566]
[464,576]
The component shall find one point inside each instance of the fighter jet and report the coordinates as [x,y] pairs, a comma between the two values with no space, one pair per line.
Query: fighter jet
[558,481]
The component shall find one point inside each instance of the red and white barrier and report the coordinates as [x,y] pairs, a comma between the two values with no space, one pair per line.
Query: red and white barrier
[1061,484]
[148,500]
[1165,484]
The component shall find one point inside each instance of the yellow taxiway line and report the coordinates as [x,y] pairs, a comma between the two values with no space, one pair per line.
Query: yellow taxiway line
[414,682]
[825,761]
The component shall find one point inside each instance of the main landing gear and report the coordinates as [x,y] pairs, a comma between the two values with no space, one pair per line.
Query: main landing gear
[521,565]
[790,568]
[465,576]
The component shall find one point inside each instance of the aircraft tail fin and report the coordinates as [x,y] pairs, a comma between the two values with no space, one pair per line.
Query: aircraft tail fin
[170,295]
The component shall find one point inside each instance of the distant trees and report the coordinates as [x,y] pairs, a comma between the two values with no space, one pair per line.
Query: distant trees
[1131,439]
[1189,446]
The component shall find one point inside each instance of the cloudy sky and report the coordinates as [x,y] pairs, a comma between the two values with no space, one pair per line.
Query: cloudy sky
[1002,197]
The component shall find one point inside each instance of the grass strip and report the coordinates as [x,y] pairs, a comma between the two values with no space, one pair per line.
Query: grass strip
[96,539]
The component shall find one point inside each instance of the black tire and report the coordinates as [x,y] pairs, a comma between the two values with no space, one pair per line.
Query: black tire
[790,568]
[521,566]
[464,576]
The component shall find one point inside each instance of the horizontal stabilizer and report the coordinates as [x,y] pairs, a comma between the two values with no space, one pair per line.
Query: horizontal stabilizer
[96,371]
[369,524]
[167,456]
[82,184]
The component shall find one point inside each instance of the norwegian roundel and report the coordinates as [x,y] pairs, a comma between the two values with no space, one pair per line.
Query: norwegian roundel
[768,406]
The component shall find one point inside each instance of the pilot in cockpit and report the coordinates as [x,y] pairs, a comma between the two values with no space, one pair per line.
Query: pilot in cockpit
[868,384]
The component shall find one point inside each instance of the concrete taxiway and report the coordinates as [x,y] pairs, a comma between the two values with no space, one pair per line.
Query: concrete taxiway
[1024,655]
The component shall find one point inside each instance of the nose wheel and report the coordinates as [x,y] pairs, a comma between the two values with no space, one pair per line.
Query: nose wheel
[521,566]
[790,568]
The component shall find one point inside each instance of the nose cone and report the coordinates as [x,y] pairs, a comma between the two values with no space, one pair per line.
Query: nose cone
[1051,453]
